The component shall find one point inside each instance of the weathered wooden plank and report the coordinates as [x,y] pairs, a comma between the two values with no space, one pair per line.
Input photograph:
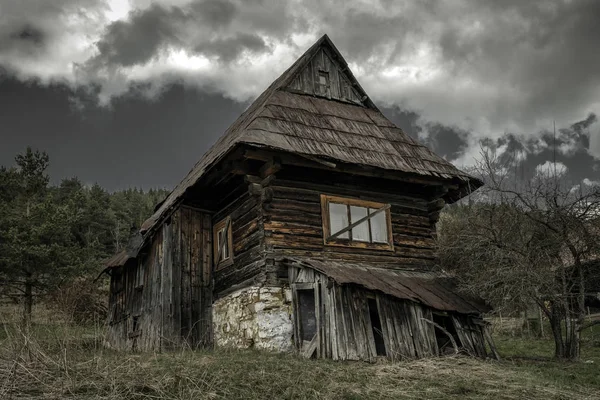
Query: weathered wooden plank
[351,345]
[333,327]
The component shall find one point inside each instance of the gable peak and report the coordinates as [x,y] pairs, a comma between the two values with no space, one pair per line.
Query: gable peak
[323,72]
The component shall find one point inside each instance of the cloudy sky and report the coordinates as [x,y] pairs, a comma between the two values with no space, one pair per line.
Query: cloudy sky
[132,92]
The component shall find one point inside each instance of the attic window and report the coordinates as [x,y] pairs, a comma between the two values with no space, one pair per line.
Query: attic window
[356,223]
[322,85]
[222,243]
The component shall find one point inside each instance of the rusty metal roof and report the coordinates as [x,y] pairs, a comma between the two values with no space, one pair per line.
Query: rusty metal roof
[118,260]
[432,289]
[280,119]
[130,251]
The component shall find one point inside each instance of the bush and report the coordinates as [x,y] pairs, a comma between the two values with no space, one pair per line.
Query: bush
[83,301]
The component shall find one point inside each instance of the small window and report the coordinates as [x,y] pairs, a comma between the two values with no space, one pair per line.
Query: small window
[356,223]
[323,83]
[223,243]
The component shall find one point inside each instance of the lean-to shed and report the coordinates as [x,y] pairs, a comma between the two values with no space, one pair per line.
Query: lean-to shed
[309,226]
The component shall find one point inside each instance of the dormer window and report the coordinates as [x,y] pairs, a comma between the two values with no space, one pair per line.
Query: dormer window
[356,223]
[223,243]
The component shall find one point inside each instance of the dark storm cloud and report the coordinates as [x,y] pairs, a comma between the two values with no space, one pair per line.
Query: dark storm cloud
[134,143]
[481,66]
[26,37]
[206,27]
[229,49]
[445,141]
[546,49]
[141,37]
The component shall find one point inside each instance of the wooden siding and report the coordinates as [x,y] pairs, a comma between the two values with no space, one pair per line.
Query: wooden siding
[339,83]
[344,326]
[167,292]
[294,226]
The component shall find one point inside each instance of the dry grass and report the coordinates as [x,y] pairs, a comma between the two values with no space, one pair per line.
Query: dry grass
[58,360]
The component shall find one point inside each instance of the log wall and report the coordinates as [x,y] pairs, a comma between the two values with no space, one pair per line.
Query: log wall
[248,244]
[293,224]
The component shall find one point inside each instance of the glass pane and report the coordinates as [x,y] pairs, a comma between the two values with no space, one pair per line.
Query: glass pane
[338,219]
[361,231]
[225,245]
[225,250]
[219,245]
[379,227]
[222,245]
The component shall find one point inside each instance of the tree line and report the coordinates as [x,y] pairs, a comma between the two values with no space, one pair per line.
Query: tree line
[52,234]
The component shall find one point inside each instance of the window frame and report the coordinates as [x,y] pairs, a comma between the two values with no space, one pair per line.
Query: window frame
[219,226]
[323,89]
[342,242]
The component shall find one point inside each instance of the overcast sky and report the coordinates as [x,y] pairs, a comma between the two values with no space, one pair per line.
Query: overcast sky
[132,93]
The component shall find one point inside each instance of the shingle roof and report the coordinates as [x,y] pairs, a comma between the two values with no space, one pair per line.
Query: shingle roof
[283,120]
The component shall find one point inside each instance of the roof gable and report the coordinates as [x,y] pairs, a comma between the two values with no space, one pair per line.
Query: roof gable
[326,74]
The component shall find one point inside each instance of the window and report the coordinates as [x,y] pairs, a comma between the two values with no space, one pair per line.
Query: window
[222,243]
[356,223]
[323,83]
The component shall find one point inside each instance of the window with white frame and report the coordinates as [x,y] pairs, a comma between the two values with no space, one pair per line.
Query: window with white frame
[356,223]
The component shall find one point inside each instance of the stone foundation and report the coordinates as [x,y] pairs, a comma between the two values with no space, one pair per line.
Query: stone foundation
[259,317]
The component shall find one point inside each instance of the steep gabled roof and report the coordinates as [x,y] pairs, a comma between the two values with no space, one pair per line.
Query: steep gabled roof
[344,126]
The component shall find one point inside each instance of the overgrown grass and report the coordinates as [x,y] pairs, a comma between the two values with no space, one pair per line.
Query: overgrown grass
[57,360]
[535,356]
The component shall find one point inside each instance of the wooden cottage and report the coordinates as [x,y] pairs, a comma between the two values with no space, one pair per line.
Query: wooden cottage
[308,226]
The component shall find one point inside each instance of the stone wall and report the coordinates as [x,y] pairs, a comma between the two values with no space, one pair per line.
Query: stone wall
[259,317]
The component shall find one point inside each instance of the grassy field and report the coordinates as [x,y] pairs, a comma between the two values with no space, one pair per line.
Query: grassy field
[58,360]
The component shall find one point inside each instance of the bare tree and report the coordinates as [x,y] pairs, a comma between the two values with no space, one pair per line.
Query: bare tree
[520,241]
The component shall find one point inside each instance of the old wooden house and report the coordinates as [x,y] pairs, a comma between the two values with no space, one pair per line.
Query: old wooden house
[309,226]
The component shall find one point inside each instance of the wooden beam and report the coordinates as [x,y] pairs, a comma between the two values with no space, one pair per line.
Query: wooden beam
[309,349]
[252,179]
[239,167]
[255,189]
[445,332]
[308,161]
[319,161]
[267,181]
[271,167]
